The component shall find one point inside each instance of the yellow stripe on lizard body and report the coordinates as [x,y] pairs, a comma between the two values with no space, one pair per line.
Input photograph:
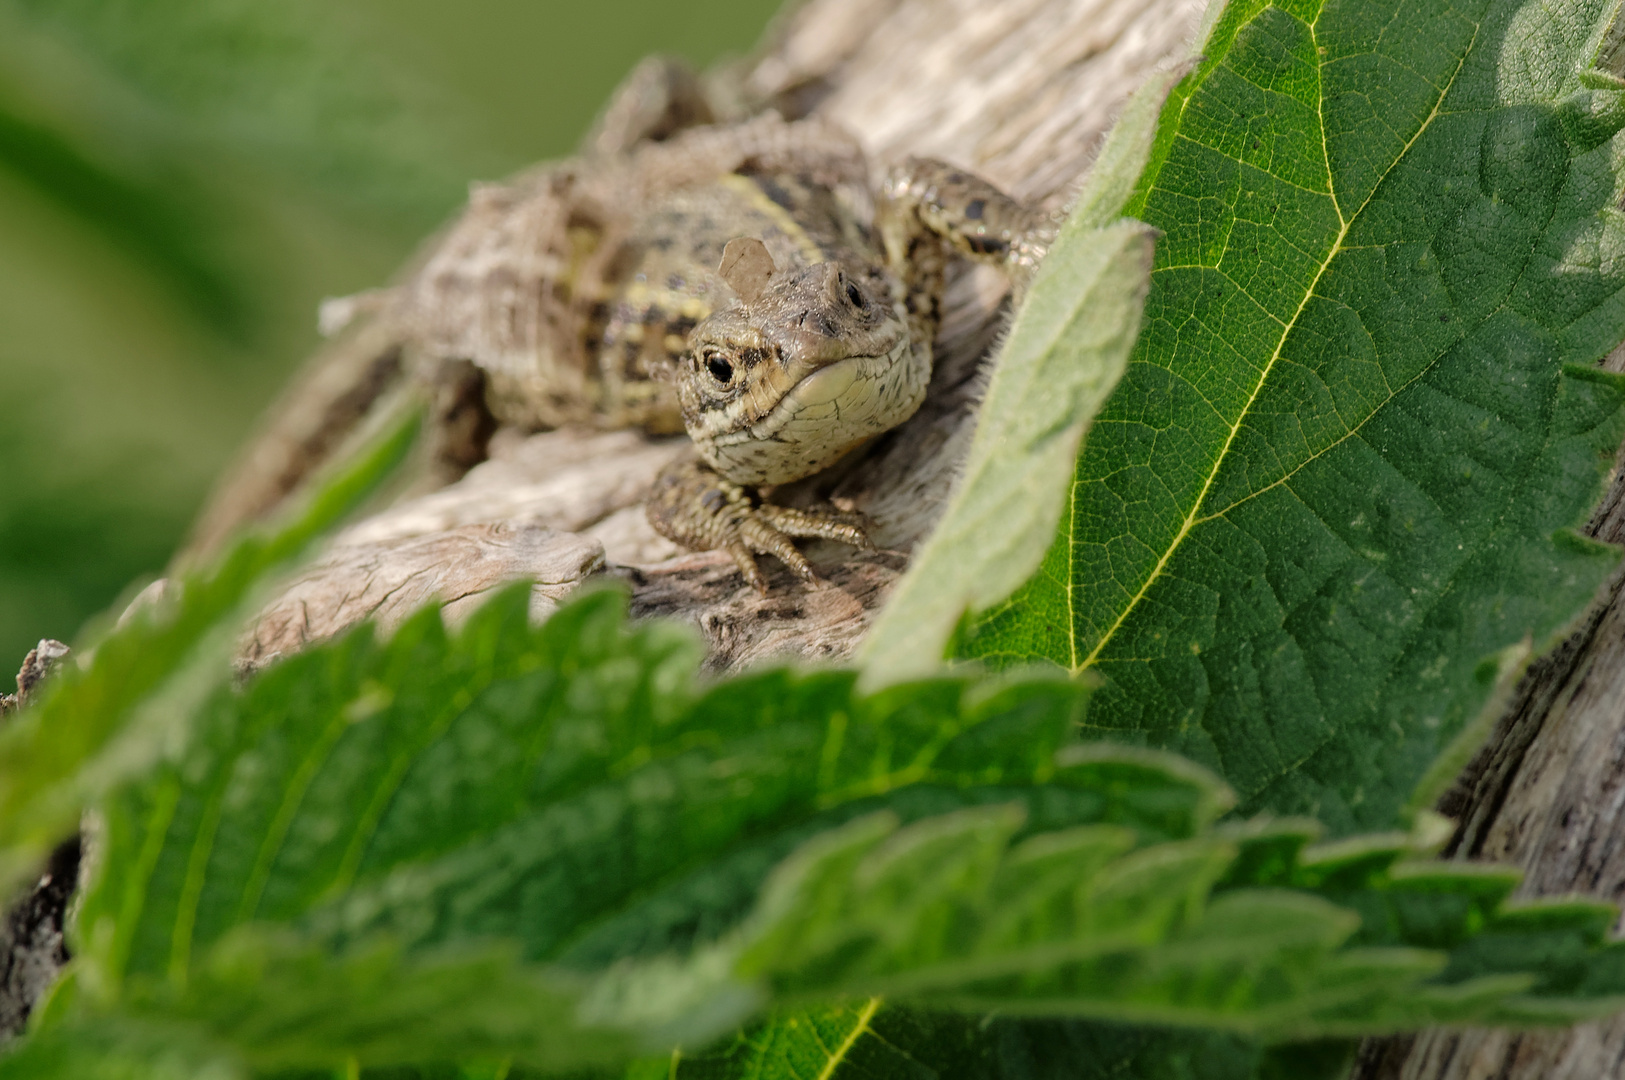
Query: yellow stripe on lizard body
[785,221]
[643,296]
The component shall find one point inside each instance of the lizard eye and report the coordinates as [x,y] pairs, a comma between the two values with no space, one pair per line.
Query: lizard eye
[720,369]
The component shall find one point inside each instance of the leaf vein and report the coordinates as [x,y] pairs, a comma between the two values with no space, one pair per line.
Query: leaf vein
[276,833]
[865,1014]
[197,865]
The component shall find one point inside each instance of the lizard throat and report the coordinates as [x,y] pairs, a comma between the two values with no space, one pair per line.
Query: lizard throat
[820,418]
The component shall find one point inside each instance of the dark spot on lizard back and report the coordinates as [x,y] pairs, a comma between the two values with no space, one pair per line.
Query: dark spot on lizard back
[775,191]
[579,218]
[632,367]
[594,325]
[620,266]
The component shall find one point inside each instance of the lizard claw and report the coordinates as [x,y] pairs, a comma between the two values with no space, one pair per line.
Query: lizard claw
[769,528]
[701,510]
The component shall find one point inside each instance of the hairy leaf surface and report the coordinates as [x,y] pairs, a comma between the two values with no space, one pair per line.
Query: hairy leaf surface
[552,845]
[1345,462]
[565,789]
[860,1041]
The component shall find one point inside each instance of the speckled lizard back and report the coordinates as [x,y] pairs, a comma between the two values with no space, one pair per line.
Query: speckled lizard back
[575,286]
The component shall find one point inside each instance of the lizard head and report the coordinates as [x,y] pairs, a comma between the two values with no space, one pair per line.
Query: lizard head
[811,362]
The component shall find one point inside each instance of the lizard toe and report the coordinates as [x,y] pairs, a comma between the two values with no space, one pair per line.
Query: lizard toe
[747,566]
[824,524]
[761,536]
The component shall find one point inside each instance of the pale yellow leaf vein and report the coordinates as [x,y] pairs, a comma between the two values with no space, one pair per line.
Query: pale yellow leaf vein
[865,1014]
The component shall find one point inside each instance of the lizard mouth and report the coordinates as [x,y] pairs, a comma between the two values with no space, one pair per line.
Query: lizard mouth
[821,417]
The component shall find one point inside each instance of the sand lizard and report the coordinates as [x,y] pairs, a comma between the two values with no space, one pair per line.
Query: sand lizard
[747,282]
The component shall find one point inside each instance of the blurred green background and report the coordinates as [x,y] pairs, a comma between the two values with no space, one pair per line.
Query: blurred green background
[181,181]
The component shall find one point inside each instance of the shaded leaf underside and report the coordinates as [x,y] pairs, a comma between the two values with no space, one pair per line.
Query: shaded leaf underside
[1338,473]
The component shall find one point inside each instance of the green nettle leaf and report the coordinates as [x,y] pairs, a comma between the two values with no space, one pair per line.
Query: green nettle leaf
[113,1048]
[860,1041]
[552,845]
[1346,462]
[567,790]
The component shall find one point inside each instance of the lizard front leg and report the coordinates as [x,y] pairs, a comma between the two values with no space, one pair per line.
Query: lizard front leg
[927,211]
[695,506]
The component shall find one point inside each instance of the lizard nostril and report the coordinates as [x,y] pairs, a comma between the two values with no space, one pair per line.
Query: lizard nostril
[719,368]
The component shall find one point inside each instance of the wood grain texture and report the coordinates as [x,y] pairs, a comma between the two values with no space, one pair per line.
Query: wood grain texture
[387,580]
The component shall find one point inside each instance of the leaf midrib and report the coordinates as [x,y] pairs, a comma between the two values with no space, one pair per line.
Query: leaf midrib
[1194,516]
[837,1056]
[276,830]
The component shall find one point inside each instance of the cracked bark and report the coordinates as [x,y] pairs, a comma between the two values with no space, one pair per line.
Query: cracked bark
[32,947]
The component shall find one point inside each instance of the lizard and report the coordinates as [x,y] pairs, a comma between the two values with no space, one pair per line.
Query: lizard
[746,282]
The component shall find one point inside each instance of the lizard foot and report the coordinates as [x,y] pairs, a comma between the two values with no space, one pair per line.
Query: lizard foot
[698,508]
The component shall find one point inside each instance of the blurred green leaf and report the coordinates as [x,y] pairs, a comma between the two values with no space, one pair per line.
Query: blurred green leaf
[143,119]
[288,85]
[106,719]
[119,1048]
[552,844]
